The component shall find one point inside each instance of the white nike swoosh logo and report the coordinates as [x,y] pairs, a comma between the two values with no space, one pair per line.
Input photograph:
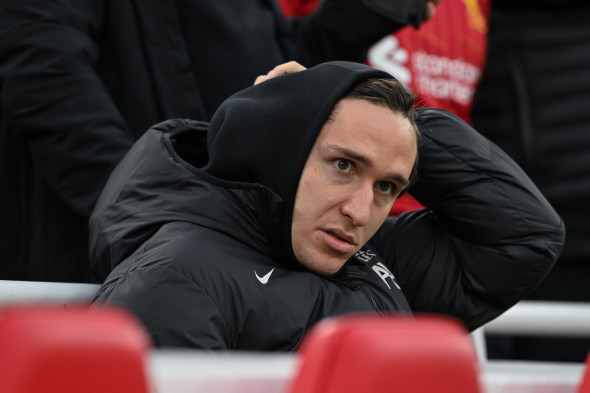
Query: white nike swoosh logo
[264,279]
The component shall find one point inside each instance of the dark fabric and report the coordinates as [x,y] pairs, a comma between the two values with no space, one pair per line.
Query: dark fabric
[185,245]
[533,102]
[530,6]
[397,13]
[81,80]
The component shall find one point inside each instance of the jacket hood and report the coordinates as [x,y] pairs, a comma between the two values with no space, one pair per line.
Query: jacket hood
[158,183]
[264,134]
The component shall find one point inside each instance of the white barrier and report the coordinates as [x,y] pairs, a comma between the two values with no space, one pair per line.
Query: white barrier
[251,372]
[536,318]
[185,371]
[543,318]
[530,377]
[13,292]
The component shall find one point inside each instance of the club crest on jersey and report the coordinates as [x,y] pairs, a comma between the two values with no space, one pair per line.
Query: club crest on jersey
[382,271]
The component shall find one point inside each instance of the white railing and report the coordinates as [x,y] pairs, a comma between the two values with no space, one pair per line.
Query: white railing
[543,318]
[13,292]
[186,371]
[530,377]
[536,318]
[234,372]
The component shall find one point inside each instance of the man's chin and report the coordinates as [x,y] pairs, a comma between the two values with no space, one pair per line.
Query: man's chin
[330,266]
[324,261]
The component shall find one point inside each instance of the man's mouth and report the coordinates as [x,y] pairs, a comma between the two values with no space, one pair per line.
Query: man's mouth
[338,240]
[341,236]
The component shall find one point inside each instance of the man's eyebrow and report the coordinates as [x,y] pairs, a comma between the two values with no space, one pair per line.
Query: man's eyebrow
[348,153]
[351,154]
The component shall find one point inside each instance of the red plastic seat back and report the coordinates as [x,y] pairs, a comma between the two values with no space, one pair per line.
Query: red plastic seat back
[584,386]
[49,349]
[374,354]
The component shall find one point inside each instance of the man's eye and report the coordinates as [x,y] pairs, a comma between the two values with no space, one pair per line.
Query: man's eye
[343,165]
[386,187]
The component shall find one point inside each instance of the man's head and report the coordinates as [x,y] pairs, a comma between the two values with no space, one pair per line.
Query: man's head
[264,134]
[363,158]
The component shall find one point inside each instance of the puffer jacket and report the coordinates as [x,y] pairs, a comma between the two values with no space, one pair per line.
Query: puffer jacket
[199,258]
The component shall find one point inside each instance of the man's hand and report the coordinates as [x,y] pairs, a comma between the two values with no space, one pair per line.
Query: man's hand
[282,69]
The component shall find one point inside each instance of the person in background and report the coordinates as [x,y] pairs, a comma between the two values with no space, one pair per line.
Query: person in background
[281,220]
[533,102]
[81,80]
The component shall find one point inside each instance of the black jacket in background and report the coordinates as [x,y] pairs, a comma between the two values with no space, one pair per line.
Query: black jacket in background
[81,80]
[183,238]
[534,102]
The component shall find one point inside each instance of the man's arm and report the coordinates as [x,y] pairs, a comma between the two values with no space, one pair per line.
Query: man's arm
[488,237]
[52,99]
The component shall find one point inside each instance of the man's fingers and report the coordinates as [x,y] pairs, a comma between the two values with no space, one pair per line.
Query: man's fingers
[282,69]
[260,79]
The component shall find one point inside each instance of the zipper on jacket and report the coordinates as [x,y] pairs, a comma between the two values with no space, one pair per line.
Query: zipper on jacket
[365,291]
[371,299]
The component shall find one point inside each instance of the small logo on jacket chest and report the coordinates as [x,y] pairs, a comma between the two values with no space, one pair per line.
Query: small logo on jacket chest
[369,258]
[264,279]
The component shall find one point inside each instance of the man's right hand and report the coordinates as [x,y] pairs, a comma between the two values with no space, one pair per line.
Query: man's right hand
[282,69]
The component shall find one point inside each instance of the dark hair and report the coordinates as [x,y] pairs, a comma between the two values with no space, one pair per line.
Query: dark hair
[390,94]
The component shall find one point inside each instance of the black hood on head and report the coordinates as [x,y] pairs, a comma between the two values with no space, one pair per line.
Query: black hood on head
[264,134]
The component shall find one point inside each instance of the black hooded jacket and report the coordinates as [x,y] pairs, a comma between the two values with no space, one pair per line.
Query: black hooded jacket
[199,247]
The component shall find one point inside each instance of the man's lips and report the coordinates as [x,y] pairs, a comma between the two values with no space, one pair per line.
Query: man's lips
[341,235]
[338,240]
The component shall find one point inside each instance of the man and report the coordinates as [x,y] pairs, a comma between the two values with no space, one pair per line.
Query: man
[81,80]
[284,223]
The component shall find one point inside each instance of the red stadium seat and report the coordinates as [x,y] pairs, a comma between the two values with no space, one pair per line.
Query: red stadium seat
[585,382]
[373,354]
[51,349]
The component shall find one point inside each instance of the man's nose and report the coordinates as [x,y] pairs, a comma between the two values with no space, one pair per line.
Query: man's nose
[357,205]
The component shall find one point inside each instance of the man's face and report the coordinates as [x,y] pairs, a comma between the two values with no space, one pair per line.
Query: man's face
[356,169]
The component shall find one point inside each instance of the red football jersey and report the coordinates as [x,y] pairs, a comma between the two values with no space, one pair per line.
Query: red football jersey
[443,60]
